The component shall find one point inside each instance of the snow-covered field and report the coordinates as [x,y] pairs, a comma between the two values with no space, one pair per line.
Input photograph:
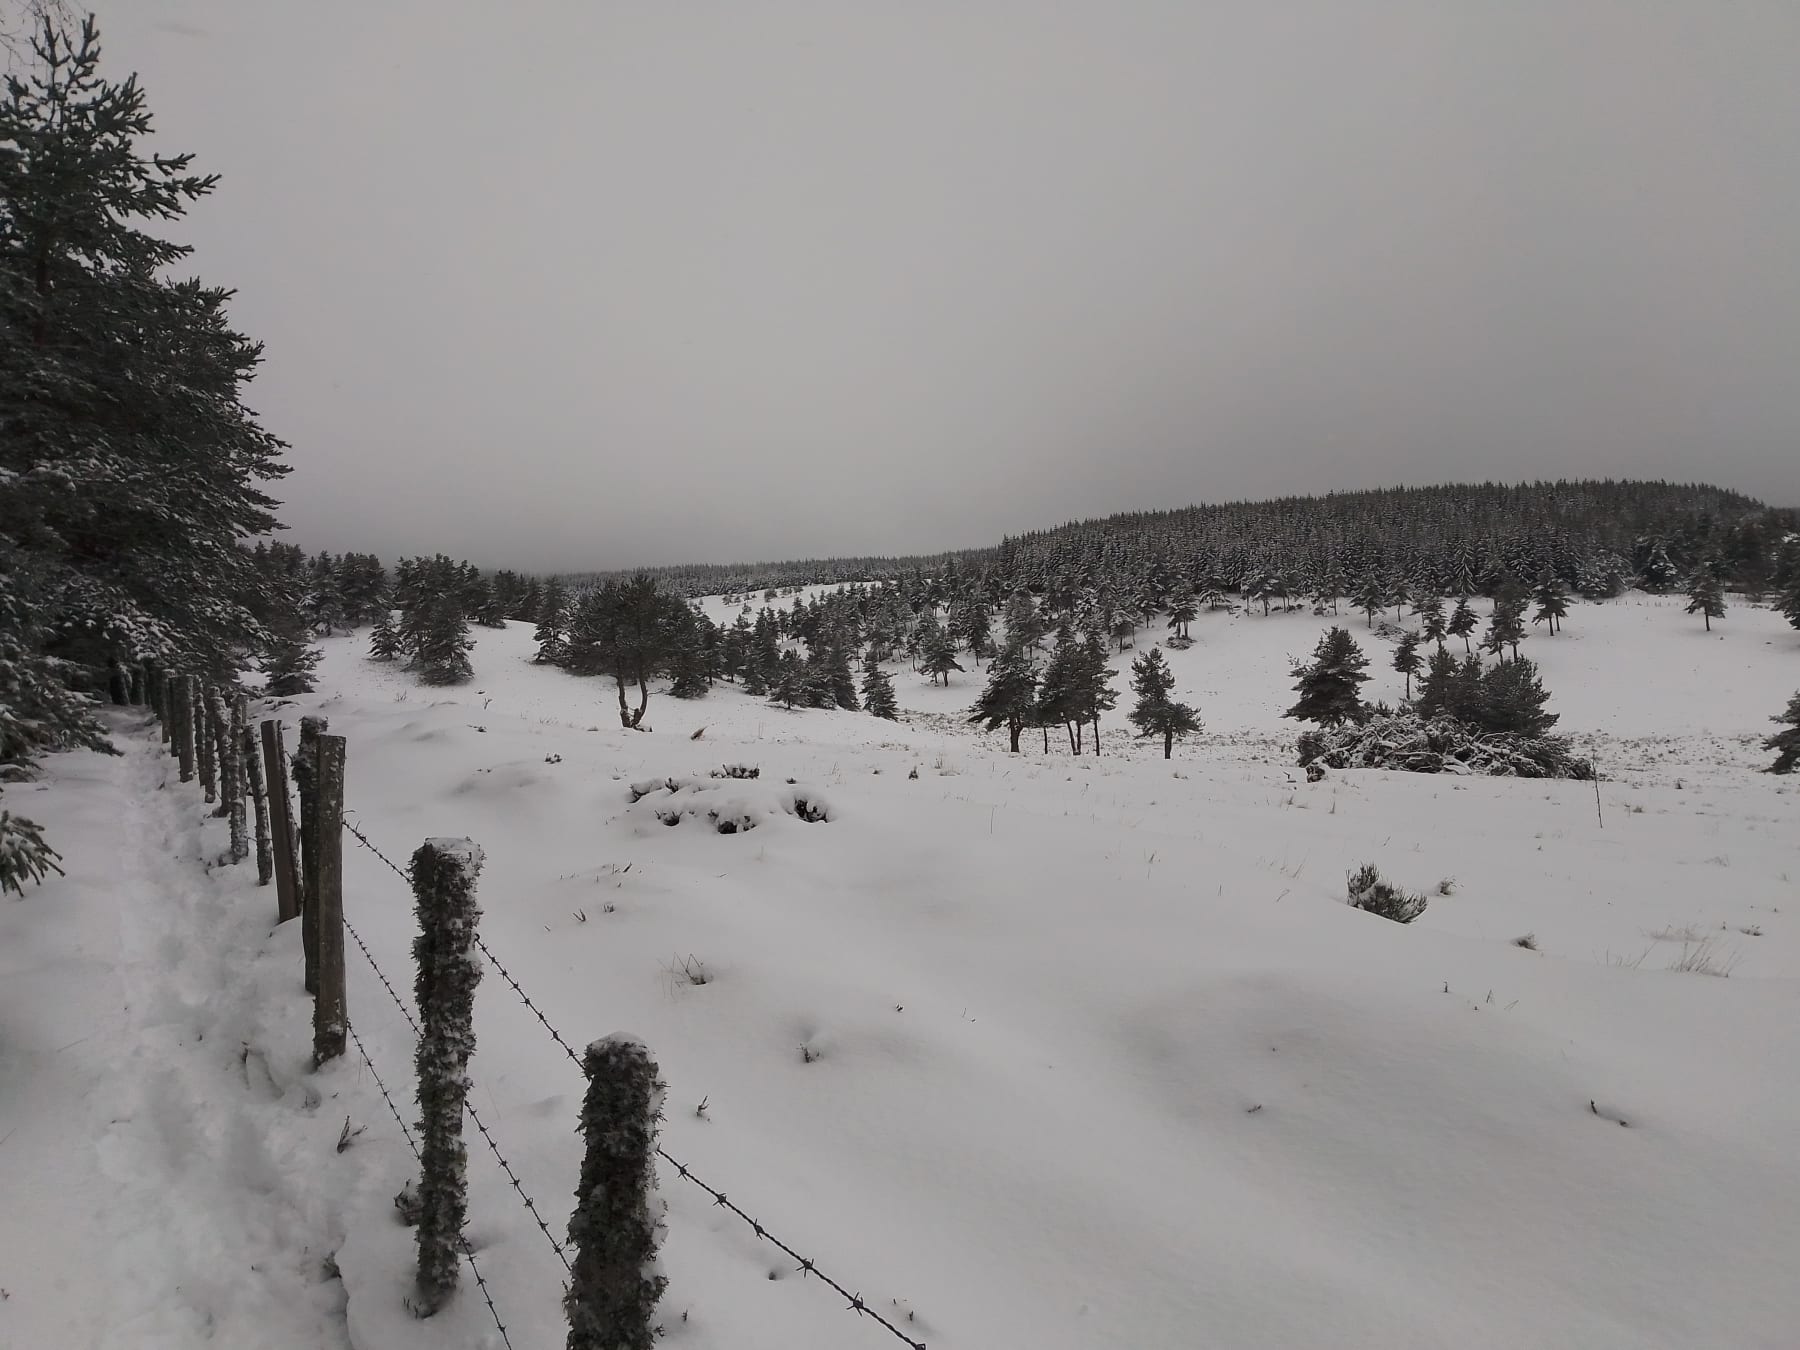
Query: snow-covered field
[1030,1051]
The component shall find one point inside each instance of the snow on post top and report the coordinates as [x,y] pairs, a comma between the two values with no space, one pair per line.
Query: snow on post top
[463,853]
[619,1040]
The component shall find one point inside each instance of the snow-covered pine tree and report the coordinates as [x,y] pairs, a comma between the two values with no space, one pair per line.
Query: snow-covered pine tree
[1434,686]
[789,686]
[552,623]
[834,669]
[1010,699]
[1463,622]
[1407,660]
[1790,601]
[937,657]
[1182,613]
[1506,625]
[1785,743]
[1513,698]
[288,668]
[441,651]
[1552,601]
[1431,620]
[1155,713]
[878,690]
[1706,593]
[1371,597]
[384,638]
[1329,685]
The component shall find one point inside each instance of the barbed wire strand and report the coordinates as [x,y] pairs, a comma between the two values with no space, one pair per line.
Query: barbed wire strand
[469,1107]
[853,1301]
[411,1143]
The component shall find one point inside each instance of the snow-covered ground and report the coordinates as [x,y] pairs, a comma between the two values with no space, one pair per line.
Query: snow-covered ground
[1030,1051]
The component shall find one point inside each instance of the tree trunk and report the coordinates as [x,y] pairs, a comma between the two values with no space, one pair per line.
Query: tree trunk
[1015,728]
[1168,744]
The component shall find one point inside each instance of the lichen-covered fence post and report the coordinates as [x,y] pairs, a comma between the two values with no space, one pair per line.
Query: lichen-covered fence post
[257,787]
[218,727]
[444,872]
[233,760]
[329,1014]
[281,824]
[618,1221]
[203,730]
[184,725]
[306,787]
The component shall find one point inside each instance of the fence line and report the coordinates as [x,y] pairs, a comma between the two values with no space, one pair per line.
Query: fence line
[853,1301]
[411,1143]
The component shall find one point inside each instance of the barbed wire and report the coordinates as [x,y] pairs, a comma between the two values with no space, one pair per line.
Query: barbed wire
[854,1302]
[411,1143]
[469,1107]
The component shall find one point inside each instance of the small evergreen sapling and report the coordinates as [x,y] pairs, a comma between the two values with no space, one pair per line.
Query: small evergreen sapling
[1786,743]
[289,668]
[1552,601]
[1368,891]
[384,639]
[1371,597]
[1156,713]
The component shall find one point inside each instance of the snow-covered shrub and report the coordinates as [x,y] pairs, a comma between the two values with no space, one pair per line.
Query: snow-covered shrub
[736,771]
[1368,891]
[618,1224]
[1404,740]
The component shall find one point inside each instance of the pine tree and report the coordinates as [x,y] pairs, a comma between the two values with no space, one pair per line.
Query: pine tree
[441,652]
[1462,623]
[1434,687]
[1182,613]
[384,639]
[1706,595]
[1506,625]
[840,682]
[1407,660]
[1092,691]
[790,684]
[288,669]
[552,622]
[687,660]
[1431,620]
[937,657]
[1513,698]
[1371,597]
[1552,601]
[1786,742]
[878,690]
[1790,601]
[1010,699]
[1328,687]
[1155,713]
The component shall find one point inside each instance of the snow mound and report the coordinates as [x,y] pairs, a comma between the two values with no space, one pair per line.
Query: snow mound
[729,810]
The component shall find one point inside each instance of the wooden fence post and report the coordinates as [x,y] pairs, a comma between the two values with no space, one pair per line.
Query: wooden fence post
[203,728]
[184,717]
[618,1219]
[257,787]
[444,872]
[326,903]
[306,788]
[231,774]
[281,824]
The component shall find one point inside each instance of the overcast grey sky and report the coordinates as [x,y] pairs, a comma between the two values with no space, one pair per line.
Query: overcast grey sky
[597,284]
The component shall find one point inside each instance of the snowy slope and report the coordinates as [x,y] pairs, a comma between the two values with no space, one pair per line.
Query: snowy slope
[1027,1050]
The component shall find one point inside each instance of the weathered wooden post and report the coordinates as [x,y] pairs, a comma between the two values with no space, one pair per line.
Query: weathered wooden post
[184,715]
[444,872]
[203,729]
[231,774]
[140,684]
[618,1220]
[327,901]
[306,787]
[281,824]
[255,787]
